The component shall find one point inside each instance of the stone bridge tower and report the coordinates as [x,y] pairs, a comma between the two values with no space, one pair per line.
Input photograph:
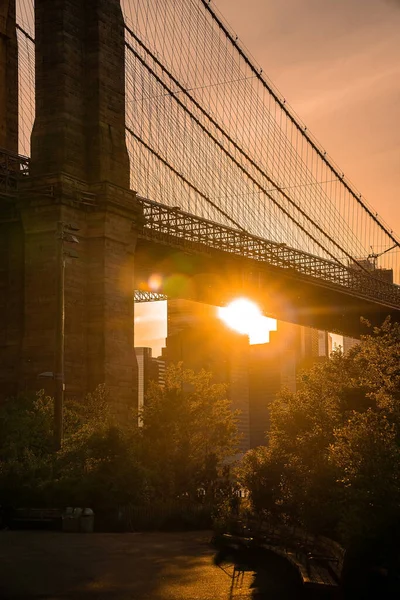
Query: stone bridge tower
[8,77]
[11,234]
[79,174]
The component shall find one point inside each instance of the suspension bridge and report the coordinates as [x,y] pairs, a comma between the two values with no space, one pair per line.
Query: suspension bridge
[232,194]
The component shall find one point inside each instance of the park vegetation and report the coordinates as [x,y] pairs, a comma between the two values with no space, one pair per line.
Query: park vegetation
[186,432]
[331,463]
[332,460]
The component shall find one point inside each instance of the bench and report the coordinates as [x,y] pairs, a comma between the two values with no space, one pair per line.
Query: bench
[315,571]
[318,559]
[36,518]
[319,566]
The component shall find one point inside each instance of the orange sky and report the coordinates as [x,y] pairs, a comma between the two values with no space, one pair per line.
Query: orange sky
[337,63]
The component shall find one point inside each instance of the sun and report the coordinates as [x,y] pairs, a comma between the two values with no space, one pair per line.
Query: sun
[244,316]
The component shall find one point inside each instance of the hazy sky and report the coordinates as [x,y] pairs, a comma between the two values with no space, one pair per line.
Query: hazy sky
[337,63]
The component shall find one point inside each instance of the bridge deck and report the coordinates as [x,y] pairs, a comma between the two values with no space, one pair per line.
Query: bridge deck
[172,226]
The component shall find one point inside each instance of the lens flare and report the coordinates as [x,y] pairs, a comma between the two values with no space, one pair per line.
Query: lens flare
[244,316]
[155,282]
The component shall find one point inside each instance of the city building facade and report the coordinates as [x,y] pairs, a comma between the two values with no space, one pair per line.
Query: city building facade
[149,369]
[254,374]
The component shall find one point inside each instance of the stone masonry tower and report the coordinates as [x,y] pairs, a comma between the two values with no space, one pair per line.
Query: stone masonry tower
[8,77]
[80,174]
[11,234]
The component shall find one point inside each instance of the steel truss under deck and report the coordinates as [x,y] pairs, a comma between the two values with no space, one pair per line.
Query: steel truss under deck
[174,227]
[141,296]
[12,168]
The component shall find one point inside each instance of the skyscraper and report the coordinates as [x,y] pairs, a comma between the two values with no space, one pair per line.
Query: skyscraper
[275,366]
[149,369]
[200,340]
[348,343]
[254,374]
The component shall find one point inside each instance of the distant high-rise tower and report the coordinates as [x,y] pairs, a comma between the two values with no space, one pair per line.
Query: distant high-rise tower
[275,366]
[149,369]
[348,343]
[254,374]
[200,340]
[265,381]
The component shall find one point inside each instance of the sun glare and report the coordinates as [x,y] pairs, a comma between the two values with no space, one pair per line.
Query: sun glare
[245,317]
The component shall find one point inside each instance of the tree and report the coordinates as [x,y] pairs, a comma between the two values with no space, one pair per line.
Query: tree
[260,472]
[366,454]
[333,452]
[188,429]
[97,465]
[26,443]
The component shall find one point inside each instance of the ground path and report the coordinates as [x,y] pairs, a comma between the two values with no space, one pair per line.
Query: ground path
[38,565]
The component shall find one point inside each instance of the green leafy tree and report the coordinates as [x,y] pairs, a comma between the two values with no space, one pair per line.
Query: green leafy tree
[187,431]
[97,465]
[332,462]
[260,472]
[26,426]
[26,443]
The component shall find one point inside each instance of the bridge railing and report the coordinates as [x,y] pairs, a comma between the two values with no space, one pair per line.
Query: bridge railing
[12,168]
[173,226]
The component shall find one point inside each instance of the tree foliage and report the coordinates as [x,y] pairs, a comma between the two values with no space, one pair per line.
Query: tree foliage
[332,461]
[188,429]
[95,467]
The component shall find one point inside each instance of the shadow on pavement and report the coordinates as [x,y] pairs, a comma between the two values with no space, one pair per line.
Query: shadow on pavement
[274,577]
[53,565]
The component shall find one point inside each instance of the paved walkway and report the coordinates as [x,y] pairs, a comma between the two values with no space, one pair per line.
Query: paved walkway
[141,566]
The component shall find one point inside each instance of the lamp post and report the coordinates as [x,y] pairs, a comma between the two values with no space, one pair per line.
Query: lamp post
[64,234]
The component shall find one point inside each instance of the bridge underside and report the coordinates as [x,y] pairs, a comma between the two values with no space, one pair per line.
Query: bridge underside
[99,294]
[217,277]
